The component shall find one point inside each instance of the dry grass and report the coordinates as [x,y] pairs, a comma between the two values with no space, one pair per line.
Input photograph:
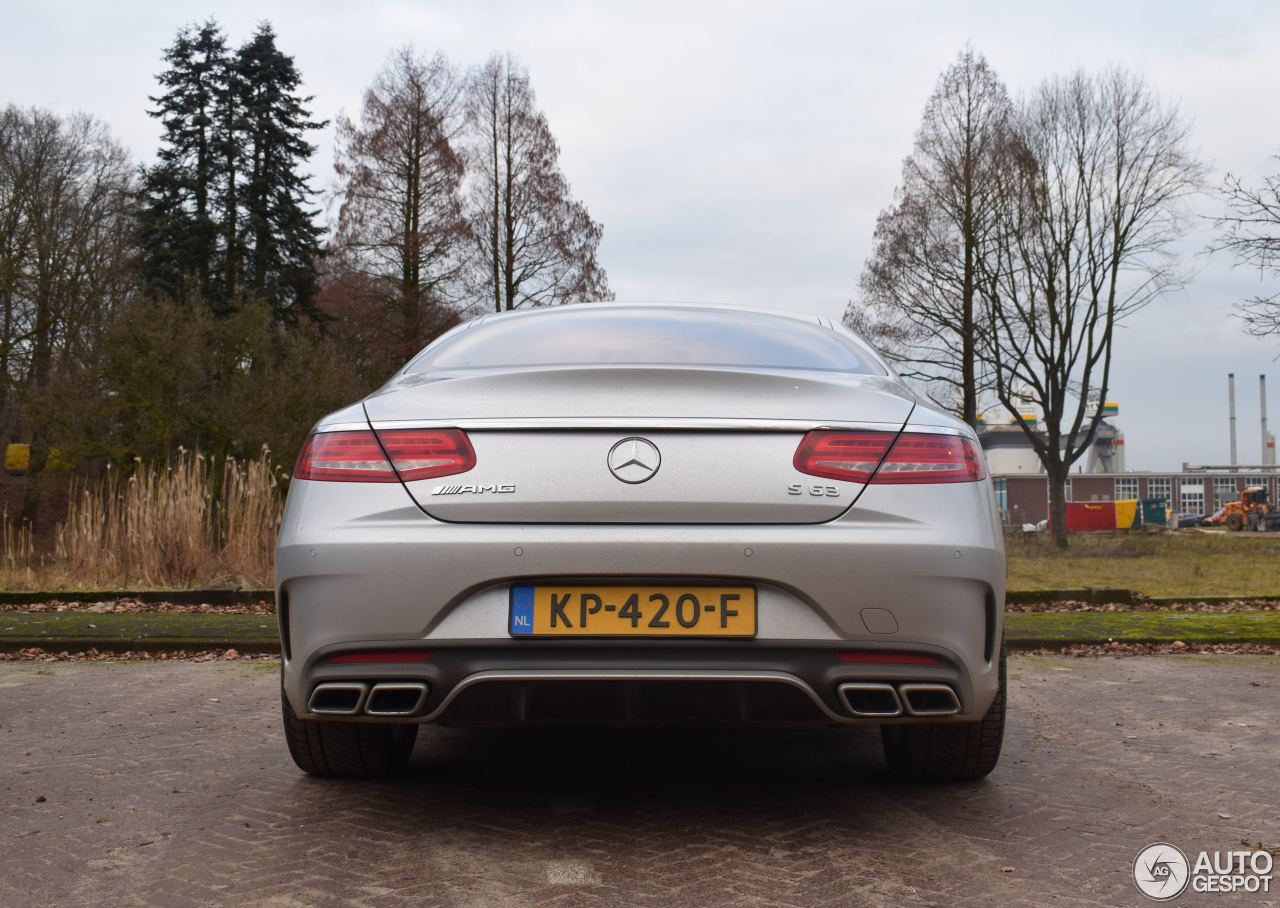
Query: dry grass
[1185,563]
[191,522]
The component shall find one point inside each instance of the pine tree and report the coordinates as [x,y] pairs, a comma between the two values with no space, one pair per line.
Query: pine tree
[281,236]
[178,224]
[225,214]
[229,150]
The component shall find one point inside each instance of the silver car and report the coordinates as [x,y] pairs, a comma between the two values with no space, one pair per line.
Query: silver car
[618,514]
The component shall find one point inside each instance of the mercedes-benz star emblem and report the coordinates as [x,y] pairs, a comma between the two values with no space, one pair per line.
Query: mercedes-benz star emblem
[634,460]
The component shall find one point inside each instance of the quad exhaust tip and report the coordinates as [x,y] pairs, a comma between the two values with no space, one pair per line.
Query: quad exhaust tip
[880,700]
[338,698]
[929,699]
[870,699]
[353,698]
[396,698]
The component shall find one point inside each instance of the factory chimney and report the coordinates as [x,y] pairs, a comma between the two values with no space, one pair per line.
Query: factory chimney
[1231,413]
[1262,402]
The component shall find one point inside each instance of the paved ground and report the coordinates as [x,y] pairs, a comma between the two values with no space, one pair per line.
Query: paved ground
[168,784]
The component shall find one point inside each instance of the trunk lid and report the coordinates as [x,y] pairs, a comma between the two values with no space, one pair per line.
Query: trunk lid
[637,444]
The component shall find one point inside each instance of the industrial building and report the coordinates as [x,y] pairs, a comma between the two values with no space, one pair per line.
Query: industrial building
[1022,488]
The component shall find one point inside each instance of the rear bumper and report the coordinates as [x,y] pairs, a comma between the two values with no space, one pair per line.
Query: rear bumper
[600,682]
[362,568]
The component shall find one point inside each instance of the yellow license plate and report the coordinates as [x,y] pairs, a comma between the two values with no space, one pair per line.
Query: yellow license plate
[561,610]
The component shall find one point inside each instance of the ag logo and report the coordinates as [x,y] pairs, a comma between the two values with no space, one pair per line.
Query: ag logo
[1161,871]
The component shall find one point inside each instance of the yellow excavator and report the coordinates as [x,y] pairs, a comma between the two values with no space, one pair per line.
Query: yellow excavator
[1253,511]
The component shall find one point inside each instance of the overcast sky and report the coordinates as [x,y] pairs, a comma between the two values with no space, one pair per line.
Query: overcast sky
[739,152]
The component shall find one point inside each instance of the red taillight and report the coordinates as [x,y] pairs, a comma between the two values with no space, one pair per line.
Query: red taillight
[344,457]
[363,457]
[883,658]
[875,457]
[379,657]
[424,453]
[851,456]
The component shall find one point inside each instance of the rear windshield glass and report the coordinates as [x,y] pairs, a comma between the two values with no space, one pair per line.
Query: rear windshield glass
[647,337]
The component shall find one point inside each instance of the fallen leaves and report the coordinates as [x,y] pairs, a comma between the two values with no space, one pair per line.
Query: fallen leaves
[128,605]
[1116,648]
[36,654]
[1191,605]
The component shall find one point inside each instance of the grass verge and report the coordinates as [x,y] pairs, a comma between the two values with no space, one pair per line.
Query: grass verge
[138,630]
[1052,629]
[1185,564]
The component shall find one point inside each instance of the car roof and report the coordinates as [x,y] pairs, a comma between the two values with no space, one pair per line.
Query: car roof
[543,311]
[807,318]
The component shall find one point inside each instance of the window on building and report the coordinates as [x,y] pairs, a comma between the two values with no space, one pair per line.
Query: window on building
[1224,490]
[1192,498]
[1160,487]
[1066,495]
[1126,488]
[1002,499]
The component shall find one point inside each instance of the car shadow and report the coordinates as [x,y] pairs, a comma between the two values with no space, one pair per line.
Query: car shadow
[691,761]
[704,778]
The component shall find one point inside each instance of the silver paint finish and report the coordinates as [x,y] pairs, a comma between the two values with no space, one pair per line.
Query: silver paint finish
[618,424]
[363,563]
[635,394]
[705,477]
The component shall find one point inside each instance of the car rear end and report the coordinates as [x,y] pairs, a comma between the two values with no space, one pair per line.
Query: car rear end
[652,542]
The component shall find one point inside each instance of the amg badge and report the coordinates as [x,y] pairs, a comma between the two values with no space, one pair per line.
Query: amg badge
[473,490]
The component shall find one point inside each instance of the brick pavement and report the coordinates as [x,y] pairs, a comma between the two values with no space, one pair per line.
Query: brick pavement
[168,784]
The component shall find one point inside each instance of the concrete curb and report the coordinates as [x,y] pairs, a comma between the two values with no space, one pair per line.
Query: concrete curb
[1095,595]
[1203,600]
[265,645]
[225,596]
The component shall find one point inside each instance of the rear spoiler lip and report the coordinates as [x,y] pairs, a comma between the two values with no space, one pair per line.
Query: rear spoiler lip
[609,423]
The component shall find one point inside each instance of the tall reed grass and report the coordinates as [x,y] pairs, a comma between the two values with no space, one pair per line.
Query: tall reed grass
[195,521]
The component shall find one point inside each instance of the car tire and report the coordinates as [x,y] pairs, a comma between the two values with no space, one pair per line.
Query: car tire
[352,749]
[948,751]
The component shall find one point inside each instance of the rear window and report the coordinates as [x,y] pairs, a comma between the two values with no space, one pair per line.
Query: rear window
[587,336]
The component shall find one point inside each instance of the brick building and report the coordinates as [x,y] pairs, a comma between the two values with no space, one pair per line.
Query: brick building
[1024,498]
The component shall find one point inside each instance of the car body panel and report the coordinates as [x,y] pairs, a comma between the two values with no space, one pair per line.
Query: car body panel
[364,566]
[553,470]
[915,568]
[638,394]
[698,477]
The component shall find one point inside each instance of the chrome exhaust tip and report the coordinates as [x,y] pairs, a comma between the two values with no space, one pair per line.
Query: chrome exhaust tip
[338,698]
[396,698]
[929,699]
[869,699]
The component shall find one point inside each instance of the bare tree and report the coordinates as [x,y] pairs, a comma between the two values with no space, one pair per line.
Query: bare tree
[401,232]
[535,246]
[918,289]
[16,127]
[65,256]
[1251,232]
[1086,223]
